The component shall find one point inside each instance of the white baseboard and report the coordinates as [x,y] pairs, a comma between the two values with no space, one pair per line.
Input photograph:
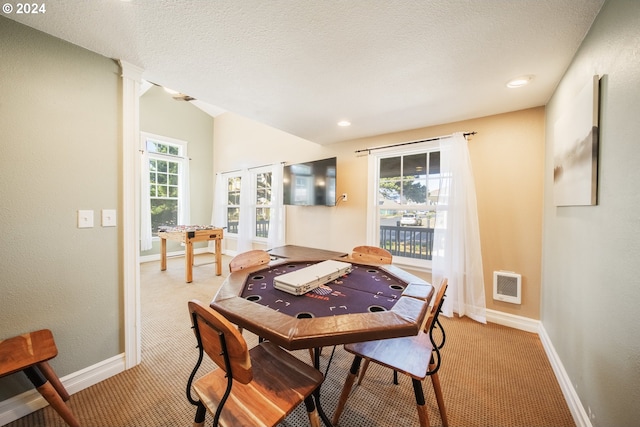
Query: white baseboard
[513,321]
[156,257]
[530,325]
[30,401]
[580,416]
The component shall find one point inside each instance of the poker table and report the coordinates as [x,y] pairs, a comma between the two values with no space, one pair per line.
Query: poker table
[371,302]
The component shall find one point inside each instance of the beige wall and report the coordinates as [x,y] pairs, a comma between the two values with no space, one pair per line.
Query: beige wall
[507,156]
[60,120]
[60,144]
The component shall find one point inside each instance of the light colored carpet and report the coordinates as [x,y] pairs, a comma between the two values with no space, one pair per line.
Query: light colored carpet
[491,375]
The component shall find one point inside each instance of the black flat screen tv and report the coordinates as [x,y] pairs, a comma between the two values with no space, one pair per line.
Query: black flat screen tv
[311,183]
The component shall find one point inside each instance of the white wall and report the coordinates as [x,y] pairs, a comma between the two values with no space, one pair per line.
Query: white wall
[591,269]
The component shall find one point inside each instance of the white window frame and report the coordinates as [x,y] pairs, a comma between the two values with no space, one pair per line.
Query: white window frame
[225,209]
[254,202]
[373,210]
[183,175]
[252,187]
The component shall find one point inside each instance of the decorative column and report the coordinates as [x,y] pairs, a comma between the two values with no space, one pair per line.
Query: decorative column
[131,78]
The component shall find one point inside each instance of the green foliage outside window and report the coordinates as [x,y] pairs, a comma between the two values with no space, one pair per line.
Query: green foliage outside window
[164,185]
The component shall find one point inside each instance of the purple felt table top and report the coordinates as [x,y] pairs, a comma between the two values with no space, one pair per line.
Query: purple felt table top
[364,289]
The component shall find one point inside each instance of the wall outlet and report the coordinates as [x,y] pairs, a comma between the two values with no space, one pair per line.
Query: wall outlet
[344,197]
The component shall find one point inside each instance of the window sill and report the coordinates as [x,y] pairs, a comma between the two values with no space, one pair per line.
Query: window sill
[413,264]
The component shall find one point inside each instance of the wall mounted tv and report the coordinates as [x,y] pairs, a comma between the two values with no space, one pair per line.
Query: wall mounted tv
[311,183]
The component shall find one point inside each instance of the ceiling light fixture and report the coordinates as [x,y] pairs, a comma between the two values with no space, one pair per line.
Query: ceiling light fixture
[344,123]
[519,81]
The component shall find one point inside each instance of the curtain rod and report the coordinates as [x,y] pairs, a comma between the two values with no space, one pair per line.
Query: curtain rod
[465,134]
[254,167]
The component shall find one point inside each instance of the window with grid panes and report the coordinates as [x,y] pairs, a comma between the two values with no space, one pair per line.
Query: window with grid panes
[407,186]
[165,186]
[233,203]
[264,203]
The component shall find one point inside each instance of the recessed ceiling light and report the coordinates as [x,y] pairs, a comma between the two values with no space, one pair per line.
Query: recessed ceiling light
[519,81]
[344,123]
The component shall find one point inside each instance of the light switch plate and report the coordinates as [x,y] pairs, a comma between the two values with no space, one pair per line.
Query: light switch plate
[85,219]
[108,217]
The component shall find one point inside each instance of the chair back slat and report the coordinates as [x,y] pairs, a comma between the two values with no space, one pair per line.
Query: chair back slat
[437,306]
[374,254]
[249,259]
[208,325]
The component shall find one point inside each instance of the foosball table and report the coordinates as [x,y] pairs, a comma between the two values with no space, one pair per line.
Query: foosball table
[189,235]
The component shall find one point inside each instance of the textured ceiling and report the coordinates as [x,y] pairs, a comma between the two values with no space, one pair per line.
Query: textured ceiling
[301,66]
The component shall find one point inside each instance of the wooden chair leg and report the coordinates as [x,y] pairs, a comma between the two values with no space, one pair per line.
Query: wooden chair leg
[312,412]
[346,389]
[50,375]
[312,354]
[420,403]
[438,391]
[201,412]
[314,418]
[363,370]
[51,395]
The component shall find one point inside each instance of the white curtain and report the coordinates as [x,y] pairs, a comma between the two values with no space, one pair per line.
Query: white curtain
[218,217]
[245,235]
[276,236]
[248,207]
[184,207]
[145,203]
[456,250]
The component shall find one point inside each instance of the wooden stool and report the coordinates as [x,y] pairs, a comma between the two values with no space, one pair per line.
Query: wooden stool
[29,353]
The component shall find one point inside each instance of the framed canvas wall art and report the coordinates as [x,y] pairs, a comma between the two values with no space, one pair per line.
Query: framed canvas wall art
[575,168]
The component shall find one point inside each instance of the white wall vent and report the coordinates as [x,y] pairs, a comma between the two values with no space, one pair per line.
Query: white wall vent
[507,286]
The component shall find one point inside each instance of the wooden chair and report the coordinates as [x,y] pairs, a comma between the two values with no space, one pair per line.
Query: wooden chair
[371,254]
[416,356]
[366,255]
[249,259]
[257,387]
[30,353]
[439,296]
